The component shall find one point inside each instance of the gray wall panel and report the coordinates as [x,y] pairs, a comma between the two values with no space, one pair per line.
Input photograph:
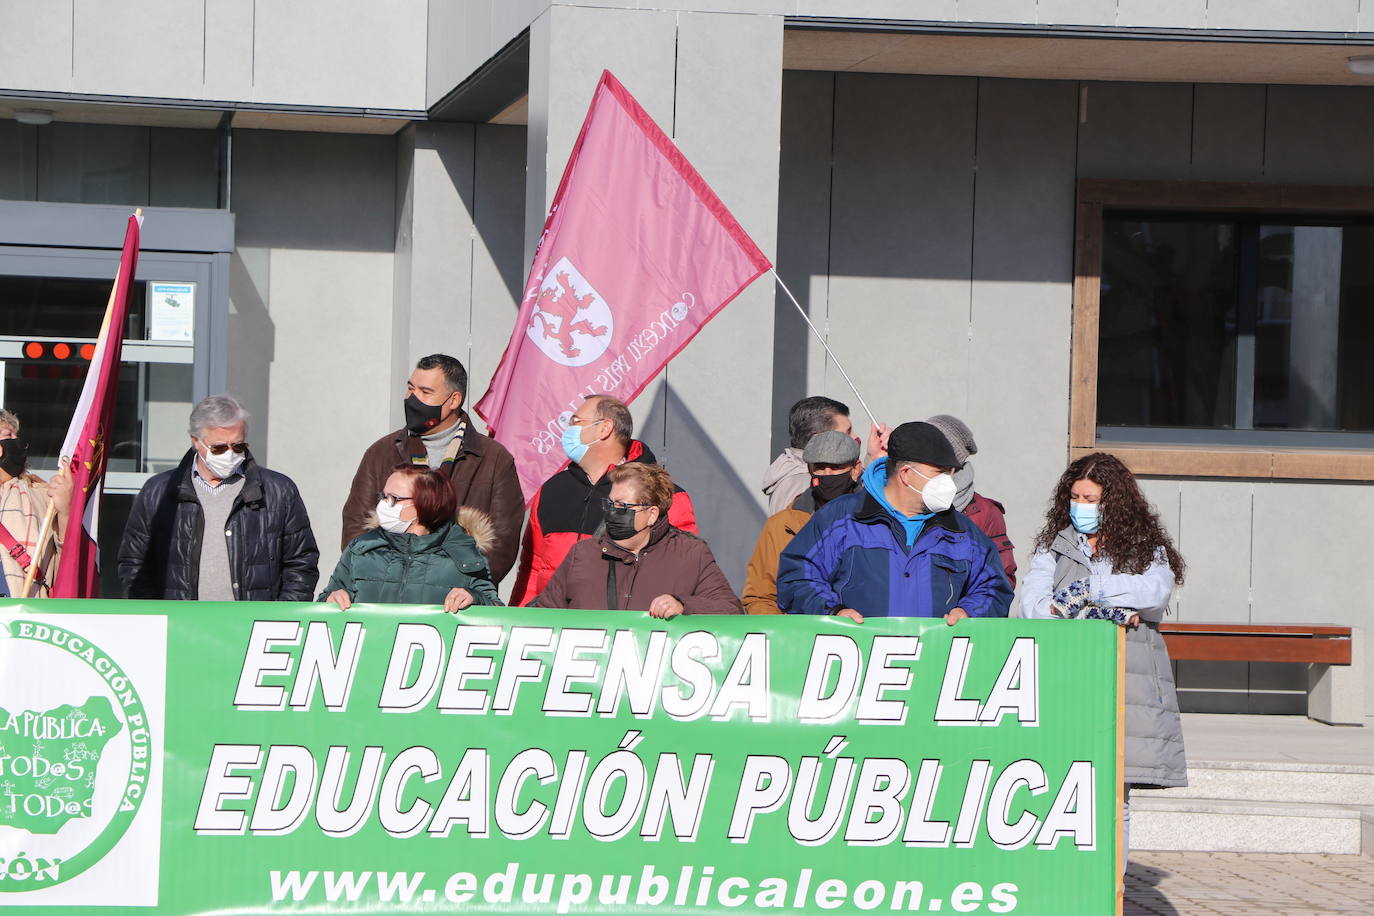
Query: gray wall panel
[808,101]
[18,161]
[35,45]
[1166,497]
[499,269]
[228,50]
[1179,14]
[1228,133]
[1310,15]
[1314,579]
[181,168]
[1135,130]
[996,10]
[1076,12]
[112,52]
[569,47]
[901,241]
[1319,134]
[1021,296]
[880,9]
[717,443]
[1214,536]
[360,54]
[311,291]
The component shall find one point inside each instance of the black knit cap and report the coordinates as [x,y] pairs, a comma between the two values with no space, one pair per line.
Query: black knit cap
[921,442]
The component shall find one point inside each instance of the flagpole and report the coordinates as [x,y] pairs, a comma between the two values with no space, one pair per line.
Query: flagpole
[46,529]
[829,352]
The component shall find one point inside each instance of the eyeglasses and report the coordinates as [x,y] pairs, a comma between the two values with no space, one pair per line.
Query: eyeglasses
[392,499]
[220,448]
[608,503]
[584,421]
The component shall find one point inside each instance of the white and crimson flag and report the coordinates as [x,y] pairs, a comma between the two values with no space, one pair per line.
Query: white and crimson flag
[638,253]
[87,439]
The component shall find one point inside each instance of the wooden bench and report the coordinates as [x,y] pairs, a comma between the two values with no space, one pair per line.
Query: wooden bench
[1335,678]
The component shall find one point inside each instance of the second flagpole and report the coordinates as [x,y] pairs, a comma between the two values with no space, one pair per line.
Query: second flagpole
[829,352]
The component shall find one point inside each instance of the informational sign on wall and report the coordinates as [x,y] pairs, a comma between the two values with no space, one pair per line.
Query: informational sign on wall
[171,310]
[202,758]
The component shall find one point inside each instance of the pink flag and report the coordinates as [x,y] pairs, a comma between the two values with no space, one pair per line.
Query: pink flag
[88,436]
[637,255]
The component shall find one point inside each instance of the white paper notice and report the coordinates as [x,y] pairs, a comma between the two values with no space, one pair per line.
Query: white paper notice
[171,310]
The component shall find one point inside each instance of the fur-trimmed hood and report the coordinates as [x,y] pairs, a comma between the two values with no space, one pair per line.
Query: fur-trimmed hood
[480,526]
[475,522]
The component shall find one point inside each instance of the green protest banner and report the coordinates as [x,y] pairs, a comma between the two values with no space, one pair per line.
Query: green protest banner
[189,758]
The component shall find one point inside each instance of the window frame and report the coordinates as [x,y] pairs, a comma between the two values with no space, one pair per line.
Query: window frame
[1095,198]
[77,240]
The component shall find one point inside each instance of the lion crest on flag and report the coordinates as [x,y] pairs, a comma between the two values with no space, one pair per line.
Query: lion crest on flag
[571,324]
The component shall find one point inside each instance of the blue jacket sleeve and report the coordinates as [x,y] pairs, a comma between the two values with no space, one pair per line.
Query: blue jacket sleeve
[806,567]
[988,593]
[1036,586]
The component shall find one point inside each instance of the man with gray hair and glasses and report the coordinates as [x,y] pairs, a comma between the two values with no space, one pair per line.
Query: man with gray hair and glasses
[218,526]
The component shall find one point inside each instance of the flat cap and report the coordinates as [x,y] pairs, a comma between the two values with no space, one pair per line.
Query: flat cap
[831,447]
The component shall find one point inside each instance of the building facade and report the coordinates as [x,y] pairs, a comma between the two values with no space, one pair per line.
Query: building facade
[1136,225]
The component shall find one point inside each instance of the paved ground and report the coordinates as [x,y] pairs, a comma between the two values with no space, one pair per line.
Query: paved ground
[1187,883]
[1277,739]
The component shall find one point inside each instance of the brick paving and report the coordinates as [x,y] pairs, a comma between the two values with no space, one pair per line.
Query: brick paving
[1208,883]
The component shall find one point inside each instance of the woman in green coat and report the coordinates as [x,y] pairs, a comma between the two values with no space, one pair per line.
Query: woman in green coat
[418,554]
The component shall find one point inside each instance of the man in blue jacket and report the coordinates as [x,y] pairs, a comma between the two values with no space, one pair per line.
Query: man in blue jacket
[896,547]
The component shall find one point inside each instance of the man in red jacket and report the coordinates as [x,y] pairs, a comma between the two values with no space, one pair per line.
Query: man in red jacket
[567,508]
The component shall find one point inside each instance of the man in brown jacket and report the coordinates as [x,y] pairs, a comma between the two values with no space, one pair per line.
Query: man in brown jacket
[832,462]
[639,561]
[439,434]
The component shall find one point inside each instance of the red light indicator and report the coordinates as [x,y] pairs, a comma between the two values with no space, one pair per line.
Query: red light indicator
[61,351]
[33,349]
[88,352]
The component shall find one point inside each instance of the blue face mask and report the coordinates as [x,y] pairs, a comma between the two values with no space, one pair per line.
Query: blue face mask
[573,446]
[1085,517]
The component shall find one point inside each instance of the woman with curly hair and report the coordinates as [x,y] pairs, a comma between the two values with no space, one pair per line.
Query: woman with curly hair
[1103,554]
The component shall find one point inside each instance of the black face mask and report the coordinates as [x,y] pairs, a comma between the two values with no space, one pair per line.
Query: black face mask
[422,417]
[16,457]
[832,486]
[620,523]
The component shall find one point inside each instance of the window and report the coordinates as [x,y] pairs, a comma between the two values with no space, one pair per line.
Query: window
[56,267]
[1221,330]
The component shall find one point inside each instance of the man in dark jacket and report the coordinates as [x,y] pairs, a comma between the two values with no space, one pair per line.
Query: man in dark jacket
[439,433]
[219,527]
[896,548]
[567,508]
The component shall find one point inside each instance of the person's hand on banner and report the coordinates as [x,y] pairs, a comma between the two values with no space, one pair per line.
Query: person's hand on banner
[340,597]
[665,607]
[457,599]
[849,613]
[877,441]
[955,616]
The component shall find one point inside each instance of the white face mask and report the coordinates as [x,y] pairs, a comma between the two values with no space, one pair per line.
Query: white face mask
[389,517]
[938,493]
[223,465]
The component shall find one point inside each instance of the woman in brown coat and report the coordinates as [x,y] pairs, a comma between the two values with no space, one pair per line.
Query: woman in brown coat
[638,561]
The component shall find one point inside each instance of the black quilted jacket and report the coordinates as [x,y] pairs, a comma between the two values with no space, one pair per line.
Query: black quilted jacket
[272,550]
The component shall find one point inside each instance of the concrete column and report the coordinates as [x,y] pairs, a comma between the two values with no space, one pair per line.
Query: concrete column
[432,282]
[714,83]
